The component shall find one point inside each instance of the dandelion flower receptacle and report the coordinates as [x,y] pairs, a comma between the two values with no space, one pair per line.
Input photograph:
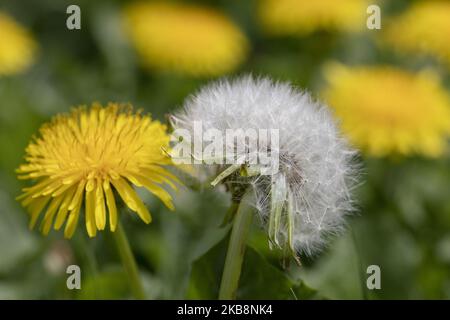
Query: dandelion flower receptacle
[17,47]
[308,197]
[183,38]
[83,159]
[389,111]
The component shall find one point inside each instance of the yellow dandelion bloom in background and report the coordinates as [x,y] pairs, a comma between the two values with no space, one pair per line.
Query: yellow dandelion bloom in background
[89,155]
[385,110]
[424,28]
[301,17]
[185,38]
[17,47]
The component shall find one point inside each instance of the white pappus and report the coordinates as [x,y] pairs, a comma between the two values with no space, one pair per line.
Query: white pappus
[307,199]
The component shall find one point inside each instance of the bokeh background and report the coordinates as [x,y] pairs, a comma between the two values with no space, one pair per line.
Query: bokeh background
[154,56]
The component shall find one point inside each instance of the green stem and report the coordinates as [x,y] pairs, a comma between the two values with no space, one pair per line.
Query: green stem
[128,261]
[91,261]
[236,251]
[362,278]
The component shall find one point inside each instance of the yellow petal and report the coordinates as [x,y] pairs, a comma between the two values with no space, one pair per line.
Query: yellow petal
[90,185]
[100,210]
[35,189]
[111,202]
[27,201]
[72,222]
[49,215]
[78,194]
[64,208]
[154,169]
[61,189]
[136,178]
[36,208]
[90,209]
[162,194]
[51,188]
[129,196]
[119,184]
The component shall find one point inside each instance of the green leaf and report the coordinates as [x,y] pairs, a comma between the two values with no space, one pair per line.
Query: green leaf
[259,279]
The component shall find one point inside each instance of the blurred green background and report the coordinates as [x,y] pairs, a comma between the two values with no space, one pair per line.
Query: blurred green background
[403,224]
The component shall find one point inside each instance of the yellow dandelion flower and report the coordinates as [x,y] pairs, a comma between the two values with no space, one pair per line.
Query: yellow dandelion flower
[389,111]
[424,28]
[184,38]
[90,155]
[17,47]
[301,17]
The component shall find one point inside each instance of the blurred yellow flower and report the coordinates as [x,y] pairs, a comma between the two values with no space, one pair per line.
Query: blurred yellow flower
[389,111]
[89,154]
[17,47]
[424,28]
[185,38]
[301,17]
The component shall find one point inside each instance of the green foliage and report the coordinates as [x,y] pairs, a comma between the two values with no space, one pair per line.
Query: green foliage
[259,279]
[404,204]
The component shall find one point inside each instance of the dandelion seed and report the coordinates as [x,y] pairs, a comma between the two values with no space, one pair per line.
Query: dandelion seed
[84,158]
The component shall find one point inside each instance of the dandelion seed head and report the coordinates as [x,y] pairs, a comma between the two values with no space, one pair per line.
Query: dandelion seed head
[312,189]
